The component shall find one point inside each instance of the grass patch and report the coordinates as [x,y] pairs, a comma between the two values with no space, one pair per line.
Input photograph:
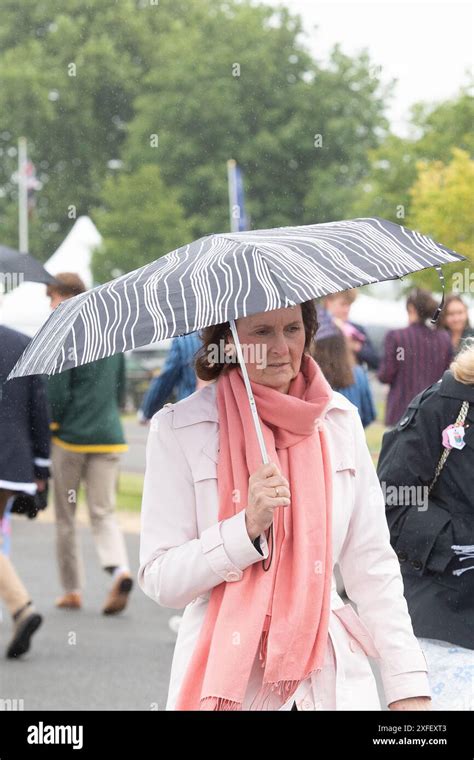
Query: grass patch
[130,489]
[374,432]
[129,494]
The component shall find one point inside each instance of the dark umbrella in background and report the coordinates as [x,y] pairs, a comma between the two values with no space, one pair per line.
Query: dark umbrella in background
[220,278]
[23,266]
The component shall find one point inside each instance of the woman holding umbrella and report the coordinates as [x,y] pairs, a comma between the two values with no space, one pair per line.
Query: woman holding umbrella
[249,549]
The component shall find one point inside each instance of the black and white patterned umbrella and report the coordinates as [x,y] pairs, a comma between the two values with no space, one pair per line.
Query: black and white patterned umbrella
[220,278]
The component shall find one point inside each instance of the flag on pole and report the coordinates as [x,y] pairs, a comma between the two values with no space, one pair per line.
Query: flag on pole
[238,217]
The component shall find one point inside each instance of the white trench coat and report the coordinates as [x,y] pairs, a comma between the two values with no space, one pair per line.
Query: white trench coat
[185,552]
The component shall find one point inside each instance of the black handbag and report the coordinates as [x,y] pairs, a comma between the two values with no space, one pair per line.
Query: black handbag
[30,504]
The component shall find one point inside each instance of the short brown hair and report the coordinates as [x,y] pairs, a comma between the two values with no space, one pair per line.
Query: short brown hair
[67,284]
[348,296]
[423,303]
[212,336]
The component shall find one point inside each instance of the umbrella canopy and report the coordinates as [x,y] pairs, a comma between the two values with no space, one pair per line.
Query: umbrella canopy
[220,278]
[24,265]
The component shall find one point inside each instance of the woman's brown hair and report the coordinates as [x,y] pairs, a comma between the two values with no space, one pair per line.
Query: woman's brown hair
[67,284]
[212,336]
[335,360]
[423,303]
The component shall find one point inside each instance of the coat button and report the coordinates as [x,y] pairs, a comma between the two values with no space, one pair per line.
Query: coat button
[353,645]
[232,576]
[402,556]
[417,564]
[306,704]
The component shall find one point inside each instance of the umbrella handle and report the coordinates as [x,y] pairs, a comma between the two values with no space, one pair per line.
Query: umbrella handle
[253,408]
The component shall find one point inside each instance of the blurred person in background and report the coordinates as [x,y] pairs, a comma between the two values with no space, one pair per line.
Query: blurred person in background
[430,513]
[414,357]
[177,375]
[339,305]
[333,354]
[24,469]
[455,319]
[87,442]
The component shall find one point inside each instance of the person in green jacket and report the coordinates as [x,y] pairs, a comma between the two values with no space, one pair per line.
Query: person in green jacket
[87,440]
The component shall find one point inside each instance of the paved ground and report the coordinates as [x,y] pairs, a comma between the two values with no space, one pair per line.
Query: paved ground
[85,660]
[136,435]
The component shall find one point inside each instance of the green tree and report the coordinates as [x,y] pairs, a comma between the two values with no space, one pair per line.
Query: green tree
[69,73]
[183,85]
[140,220]
[239,84]
[441,206]
[351,103]
[385,190]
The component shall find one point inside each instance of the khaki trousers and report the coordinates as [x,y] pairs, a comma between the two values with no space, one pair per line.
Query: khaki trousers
[99,472]
[12,591]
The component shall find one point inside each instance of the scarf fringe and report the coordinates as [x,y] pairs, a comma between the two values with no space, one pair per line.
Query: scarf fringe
[219,703]
[283,689]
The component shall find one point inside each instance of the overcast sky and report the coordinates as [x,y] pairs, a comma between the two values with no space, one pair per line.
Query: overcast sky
[427,45]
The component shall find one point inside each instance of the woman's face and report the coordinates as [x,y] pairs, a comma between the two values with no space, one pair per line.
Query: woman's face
[456,316]
[273,346]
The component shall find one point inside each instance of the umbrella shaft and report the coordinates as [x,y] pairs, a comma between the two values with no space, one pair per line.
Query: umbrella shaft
[253,408]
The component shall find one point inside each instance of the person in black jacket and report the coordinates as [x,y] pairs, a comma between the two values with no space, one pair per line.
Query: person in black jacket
[432,531]
[24,469]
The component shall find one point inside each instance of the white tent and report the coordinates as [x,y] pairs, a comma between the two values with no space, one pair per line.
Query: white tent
[367,310]
[384,312]
[26,307]
[75,252]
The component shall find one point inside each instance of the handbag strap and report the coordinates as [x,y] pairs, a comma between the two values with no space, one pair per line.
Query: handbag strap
[442,460]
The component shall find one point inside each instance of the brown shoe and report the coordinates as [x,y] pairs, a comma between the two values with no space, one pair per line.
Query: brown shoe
[72,600]
[118,596]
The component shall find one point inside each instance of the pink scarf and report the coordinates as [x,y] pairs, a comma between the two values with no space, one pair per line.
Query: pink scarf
[282,613]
